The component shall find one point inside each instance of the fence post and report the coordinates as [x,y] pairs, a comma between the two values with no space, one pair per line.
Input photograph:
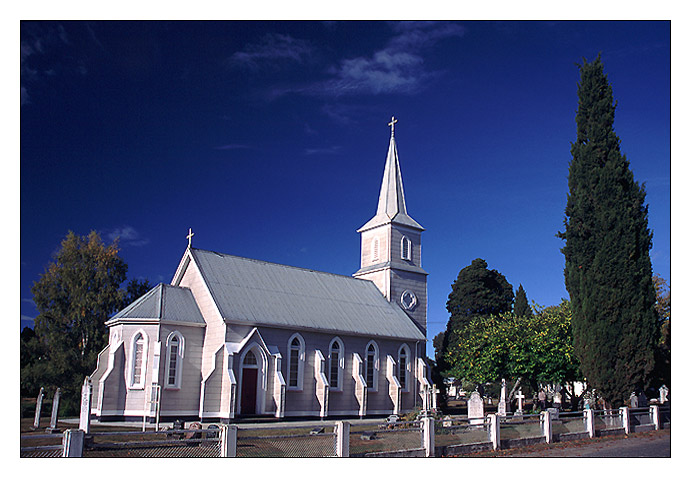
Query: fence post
[547,426]
[72,443]
[343,439]
[589,422]
[655,415]
[229,441]
[428,435]
[494,430]
[625,419]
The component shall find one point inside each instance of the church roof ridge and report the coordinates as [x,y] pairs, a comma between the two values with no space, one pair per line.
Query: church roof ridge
[262,261]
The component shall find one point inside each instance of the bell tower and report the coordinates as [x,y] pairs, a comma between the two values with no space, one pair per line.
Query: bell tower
[390,247]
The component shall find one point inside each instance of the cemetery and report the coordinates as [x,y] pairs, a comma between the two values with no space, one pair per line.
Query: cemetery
[427,433]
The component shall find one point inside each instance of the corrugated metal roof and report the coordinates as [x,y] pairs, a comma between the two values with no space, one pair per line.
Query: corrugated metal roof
[164,302]
[264,293]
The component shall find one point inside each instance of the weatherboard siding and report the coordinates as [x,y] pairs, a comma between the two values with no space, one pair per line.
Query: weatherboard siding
[187,396]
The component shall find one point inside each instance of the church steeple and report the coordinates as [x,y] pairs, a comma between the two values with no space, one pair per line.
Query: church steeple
[391,253]
[391,206]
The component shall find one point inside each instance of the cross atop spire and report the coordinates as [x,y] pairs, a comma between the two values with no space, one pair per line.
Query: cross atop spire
[189,238]
[392,123]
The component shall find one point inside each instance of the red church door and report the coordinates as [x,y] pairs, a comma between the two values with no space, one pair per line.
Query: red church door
[250,374]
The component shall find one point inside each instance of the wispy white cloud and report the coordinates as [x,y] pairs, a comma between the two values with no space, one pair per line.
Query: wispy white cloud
[323,151]
[127,236]
[39,43]
[26,318]
[399,67]
[272,50]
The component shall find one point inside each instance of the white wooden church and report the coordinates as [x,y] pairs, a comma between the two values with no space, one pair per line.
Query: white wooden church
[233,337]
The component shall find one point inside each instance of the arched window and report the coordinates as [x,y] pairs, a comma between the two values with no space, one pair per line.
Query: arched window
[336,364]
[296,359]
[375,249]
[175,347]
[250,360]
[403,365]
[405,248]
[138,360]
[371,365]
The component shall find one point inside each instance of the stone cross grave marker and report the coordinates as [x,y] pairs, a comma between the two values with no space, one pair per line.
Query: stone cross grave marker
[435,392]
[37,414]
[53,428]
[476,409]
[520,397]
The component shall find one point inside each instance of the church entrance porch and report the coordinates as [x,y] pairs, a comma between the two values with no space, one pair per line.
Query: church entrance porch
[250,384]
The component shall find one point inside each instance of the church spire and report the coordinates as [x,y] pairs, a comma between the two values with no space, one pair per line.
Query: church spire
[391,205]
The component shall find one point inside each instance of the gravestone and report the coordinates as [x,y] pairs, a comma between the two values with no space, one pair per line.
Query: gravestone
[554,413]
[85,410]
[476,409]
[435,392]
[501,407]
[447,422]
[642,400]
[37,414]
[53,428]
[519,398]
[633,400]
[664,391]
[557,400]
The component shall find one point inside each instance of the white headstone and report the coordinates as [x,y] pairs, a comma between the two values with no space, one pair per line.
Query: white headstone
[39,404]
[54,413]
[476,409]
[85,410]
[520,397]
[501,407]
[663,393]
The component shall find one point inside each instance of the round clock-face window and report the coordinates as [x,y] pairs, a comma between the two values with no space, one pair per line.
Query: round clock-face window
[408,300]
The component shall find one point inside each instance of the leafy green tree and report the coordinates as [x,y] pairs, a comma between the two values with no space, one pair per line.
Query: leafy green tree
[521,307]
[607,241]
[75,296]
[537,349]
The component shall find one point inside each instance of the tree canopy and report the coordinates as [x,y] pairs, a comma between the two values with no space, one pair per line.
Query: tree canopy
[535,348]
[608,272]
[74,297]
[476,292]
[521,307]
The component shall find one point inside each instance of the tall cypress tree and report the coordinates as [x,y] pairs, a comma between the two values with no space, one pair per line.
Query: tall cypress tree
[521,308]
[608,272]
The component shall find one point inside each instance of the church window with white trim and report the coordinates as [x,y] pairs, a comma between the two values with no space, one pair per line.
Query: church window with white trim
[336,364]
[174,355]
[371,366]
[138,360]
[406,247]
[403,364]
[296,358]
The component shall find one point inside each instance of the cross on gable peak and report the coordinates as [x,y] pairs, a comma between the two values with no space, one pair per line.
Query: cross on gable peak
[189,238]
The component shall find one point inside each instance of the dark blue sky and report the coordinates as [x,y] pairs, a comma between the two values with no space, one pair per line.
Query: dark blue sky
[269,139]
